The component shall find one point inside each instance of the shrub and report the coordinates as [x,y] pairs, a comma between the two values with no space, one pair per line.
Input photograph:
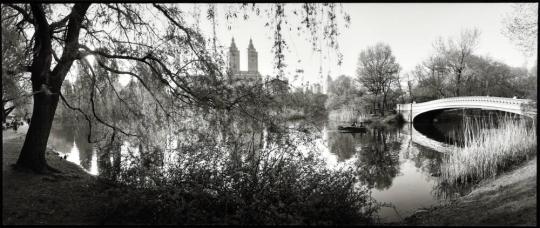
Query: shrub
[272,187]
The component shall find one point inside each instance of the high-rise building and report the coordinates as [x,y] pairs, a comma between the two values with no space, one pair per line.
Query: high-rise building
[234,58]
[252,58]
[252,74]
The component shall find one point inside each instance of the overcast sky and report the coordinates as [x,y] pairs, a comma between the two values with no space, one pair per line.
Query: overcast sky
[409,28]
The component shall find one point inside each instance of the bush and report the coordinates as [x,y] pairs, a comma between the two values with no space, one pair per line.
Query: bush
[285,189]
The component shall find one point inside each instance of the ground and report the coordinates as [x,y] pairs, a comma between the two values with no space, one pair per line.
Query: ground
[72,197]
[510,199]
[75,197]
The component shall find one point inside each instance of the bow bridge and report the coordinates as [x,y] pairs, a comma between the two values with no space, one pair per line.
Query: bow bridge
[518,106]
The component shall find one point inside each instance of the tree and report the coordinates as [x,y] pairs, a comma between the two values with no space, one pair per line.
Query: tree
[521,27]
[485,77]
[153,35]
[488,77]
[14,81]
[378,71]
[345,96]
[432,78]
[457,54]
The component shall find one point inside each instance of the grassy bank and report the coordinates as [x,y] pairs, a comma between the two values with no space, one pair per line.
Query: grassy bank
[72,197]
[288,189]
[509,199]
[490,151]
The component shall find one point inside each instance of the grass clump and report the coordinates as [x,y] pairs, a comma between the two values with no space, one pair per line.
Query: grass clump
[347,115]
[495,147]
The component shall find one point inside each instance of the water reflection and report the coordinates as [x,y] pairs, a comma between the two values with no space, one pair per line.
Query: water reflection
[403,175]
[398,171]
[378,159]
[68,138]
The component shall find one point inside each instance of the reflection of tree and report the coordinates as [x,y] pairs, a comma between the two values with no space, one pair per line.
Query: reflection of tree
[378,160]
[85,149]
[427,160]
[342,145]
[445,191]
[62,136]
[109,156]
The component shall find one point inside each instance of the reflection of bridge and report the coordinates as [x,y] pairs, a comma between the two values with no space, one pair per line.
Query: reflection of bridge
[427,142]
[518,106]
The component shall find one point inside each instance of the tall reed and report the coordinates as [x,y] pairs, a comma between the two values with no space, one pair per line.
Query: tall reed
[347,115]
[497,145]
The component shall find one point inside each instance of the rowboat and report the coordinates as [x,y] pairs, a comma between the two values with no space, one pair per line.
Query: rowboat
[352,128]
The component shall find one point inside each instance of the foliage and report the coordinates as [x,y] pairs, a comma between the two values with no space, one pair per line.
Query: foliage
[378,72]
[521,27]
[343,93]
[14,82]
[456,54]
[155,45]
[242,182]
[311,105]
[454,64]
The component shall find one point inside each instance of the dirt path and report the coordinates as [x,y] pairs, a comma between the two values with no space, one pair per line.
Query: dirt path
[507,200]
[73,197]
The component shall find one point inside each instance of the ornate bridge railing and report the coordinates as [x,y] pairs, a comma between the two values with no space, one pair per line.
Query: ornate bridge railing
[519,106]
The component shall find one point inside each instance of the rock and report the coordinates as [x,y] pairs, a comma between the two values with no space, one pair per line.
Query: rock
[51,179]
[50,151]
[419,212]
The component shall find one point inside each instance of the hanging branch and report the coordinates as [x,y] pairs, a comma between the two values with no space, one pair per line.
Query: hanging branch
[93,76]
[89,137]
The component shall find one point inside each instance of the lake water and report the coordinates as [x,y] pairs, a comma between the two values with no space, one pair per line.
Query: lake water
[399,163]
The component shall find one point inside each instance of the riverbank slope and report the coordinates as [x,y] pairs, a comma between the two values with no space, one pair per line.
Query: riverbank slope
[509,199]
[72,197]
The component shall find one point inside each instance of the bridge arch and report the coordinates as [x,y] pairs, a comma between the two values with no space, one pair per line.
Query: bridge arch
[511,105]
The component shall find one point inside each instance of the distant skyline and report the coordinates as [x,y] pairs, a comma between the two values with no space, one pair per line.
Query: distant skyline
[409,28]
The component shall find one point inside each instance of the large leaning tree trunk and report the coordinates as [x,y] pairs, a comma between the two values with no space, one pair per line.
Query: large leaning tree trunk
[46,84]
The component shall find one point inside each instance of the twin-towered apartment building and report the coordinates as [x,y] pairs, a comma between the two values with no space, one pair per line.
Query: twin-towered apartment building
[252,74]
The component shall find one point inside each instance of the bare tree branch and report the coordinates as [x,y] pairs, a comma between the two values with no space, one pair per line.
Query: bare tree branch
[26,16]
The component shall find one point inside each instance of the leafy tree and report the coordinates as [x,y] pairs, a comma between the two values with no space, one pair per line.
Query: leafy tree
[14,81]
[378,72]
[153,35]
[521,27]
[342,93]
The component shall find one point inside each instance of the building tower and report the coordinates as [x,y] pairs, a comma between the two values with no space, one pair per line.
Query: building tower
[234,58]
[252,58]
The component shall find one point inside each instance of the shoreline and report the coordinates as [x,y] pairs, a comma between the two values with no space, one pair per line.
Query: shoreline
[507,199]
[70,197]
[76,197]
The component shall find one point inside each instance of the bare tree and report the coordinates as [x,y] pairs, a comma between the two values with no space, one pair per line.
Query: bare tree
[457,54]
[377,71]
[432,76]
